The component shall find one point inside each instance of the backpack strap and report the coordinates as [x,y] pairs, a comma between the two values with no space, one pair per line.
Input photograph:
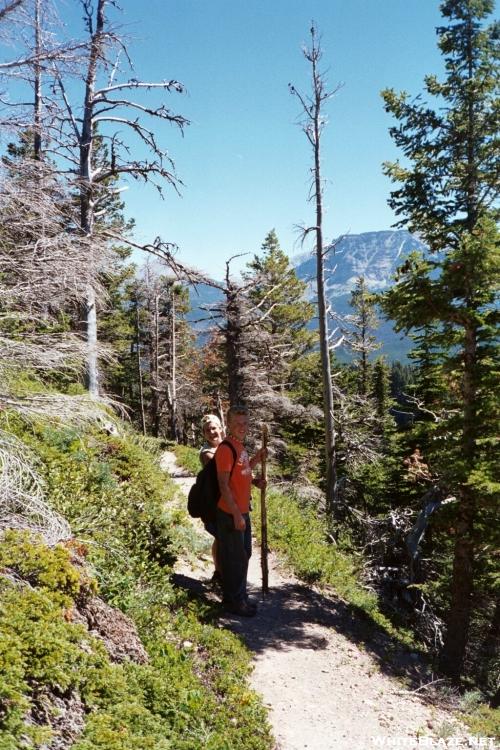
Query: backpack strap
[235,455]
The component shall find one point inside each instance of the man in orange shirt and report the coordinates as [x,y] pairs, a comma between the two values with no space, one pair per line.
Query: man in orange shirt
[233,520]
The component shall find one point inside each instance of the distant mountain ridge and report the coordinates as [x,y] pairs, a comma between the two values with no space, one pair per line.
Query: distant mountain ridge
[373,255]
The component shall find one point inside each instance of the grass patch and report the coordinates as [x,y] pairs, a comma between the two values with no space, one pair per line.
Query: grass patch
[296,531]
[193,693]
[188,458]
[482,720]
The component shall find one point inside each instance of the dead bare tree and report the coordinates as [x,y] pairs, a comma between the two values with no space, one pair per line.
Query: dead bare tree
[167,342]
[139,362]
[9,7]
[104,108]
[43,268]
[28,32]
[313,122]
[230,317]
[107,105]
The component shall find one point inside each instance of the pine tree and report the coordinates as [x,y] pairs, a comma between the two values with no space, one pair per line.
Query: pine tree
[279,338]
[381,388]
[447,193]
[283,311]
[361,339]
[115,323]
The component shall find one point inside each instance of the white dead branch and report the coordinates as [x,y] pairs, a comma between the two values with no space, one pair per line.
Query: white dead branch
[75,410]
[44,267]
[44,261]
[22,494]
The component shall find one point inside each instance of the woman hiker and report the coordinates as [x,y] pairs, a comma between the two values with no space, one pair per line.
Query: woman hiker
[212,434]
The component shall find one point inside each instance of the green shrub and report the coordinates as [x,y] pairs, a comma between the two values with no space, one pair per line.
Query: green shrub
[483,721]
[295,530]
[191,695]
[38,565]
[188,458]
[115,497]
[120,507]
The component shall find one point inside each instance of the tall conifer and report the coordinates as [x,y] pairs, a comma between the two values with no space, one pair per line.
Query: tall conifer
[447,191]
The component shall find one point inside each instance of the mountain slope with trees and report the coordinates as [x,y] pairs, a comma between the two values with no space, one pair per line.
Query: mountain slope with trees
[383,472]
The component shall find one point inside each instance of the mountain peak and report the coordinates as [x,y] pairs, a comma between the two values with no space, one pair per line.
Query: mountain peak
[373,255]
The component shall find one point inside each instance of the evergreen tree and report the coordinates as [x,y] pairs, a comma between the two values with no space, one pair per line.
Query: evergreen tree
[381,387]
[115,324]
[429,388]
[279,339]
[284,312]
[447,192]
[401,378]
[360,338]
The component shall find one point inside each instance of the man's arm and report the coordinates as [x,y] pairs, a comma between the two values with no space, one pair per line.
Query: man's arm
[227,495]
[258,458]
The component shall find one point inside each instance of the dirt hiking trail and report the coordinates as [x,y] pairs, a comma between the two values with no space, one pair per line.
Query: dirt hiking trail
[324,672]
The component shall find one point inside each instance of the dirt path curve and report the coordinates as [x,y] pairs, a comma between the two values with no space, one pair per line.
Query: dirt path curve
[326,678]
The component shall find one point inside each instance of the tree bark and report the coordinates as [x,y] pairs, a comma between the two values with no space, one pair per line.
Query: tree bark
[462,586]
[173,377]
[330,455]
[37,140]
[86,197]
[234,349]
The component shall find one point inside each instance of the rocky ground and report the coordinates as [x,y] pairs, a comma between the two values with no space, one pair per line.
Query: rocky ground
[329,680]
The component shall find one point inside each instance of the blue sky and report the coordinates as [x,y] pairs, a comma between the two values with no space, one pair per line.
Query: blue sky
[244,161]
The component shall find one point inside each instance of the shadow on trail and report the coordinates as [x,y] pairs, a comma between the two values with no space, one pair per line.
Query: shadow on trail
[287,613]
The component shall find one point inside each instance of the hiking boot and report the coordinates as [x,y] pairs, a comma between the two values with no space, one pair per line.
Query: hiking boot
[251,603]
[241,608]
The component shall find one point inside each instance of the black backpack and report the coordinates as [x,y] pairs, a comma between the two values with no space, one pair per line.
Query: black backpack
[205,493]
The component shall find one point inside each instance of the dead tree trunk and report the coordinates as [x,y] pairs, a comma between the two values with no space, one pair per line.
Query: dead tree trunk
[110,104]
[173,368]
[37,140]
[313,123]
[86,190]
[139,366]
[234,347]
[154,367]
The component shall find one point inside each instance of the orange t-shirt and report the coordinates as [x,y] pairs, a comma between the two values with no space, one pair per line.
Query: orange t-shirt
[240,482]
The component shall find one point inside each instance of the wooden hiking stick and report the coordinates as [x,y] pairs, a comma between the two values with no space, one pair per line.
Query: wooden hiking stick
[263,517]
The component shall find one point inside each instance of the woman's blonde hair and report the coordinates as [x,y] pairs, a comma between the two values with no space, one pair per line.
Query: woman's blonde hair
[210,418]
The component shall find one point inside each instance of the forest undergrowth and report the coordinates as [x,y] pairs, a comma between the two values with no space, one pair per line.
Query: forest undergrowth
[301,538]
[185,685]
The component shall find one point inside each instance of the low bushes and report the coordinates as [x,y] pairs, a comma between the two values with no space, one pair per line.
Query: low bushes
[296,530]
[57,679]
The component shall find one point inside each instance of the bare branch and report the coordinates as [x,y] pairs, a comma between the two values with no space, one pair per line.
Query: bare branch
[10,7]
[133,84]
[68,108]
[57,53]
[22,494]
